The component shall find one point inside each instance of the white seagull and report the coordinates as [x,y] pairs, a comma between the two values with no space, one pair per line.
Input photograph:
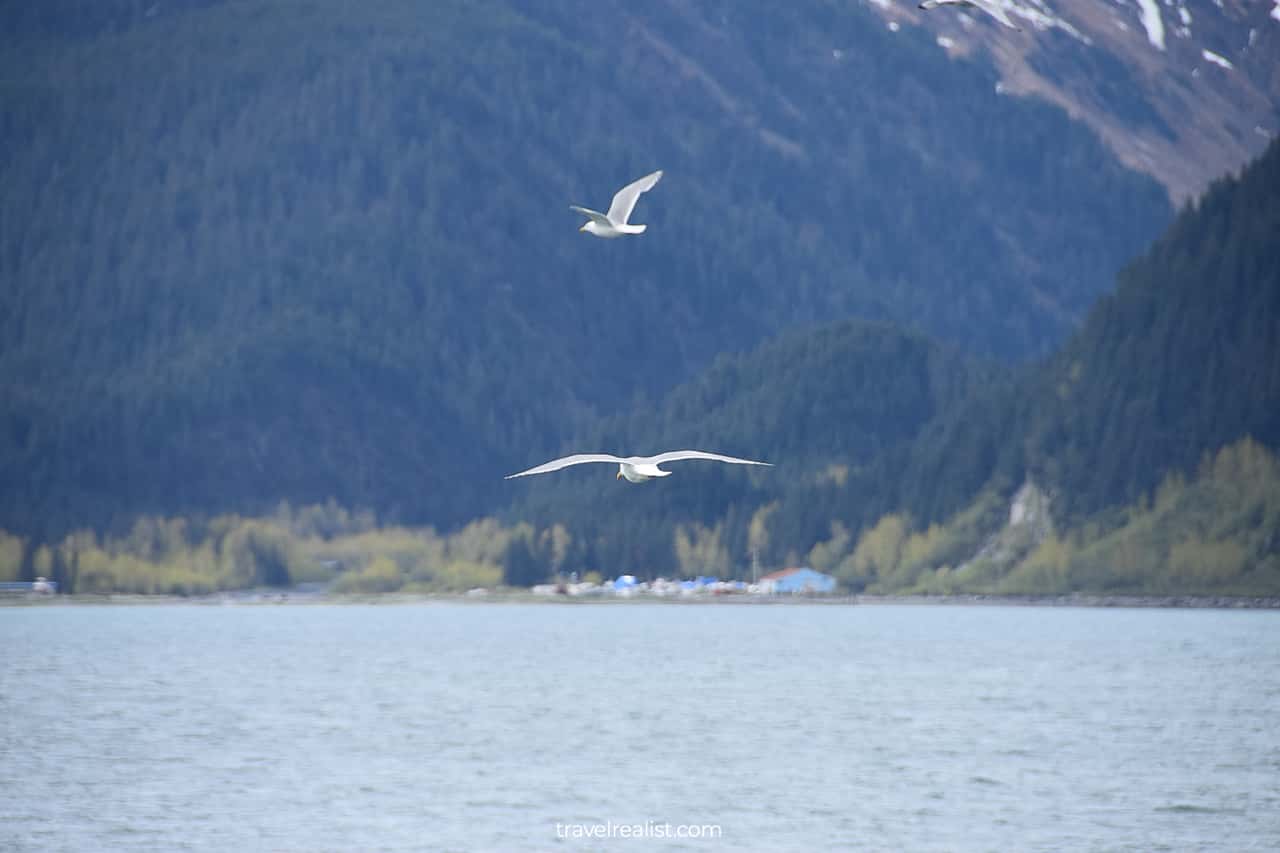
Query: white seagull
[633,469]
[992,8]
[614,223]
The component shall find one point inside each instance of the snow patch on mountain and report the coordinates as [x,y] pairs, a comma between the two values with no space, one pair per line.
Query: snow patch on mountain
[1217,59]
[1182,28]
[1043,18]
[1152,22]
[1137,72]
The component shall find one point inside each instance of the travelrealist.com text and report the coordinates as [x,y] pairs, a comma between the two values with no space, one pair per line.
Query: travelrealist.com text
[648,829]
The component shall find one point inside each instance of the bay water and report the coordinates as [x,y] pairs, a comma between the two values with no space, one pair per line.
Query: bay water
[513,726]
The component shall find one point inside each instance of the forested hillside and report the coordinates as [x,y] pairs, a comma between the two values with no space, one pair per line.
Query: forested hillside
[921,452]
[310,249]
[1182,359]
[1143,457]
[826,406]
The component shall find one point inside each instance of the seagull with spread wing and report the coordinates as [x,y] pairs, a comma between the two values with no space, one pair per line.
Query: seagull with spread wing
[634,469]
[614,223]
[991,7]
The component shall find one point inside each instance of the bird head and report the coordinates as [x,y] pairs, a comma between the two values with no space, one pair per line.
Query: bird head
[618,476]
[583,229]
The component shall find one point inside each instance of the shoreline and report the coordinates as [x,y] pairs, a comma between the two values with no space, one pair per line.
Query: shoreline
[262,597]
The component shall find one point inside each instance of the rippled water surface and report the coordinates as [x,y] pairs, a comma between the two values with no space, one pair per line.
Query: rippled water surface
[483,726]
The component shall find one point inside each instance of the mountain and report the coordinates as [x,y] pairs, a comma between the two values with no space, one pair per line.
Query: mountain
[1184,357]
[1183,90]
[262,250]
[886,442]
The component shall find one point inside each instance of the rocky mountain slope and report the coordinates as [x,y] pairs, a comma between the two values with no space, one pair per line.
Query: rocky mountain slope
[1183,90]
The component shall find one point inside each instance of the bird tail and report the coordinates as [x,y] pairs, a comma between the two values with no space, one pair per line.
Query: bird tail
[631,229]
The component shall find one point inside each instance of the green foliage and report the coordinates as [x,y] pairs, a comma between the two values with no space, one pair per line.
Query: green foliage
[825,556]
[1212,534]
[893,556]
[700,551]
[462,575]
[1045,571]
[12,549]
[878,553]
[417,554]
[259,554]
[1216,533]
[313,544]
[171,556]
[380,575]
[521,566]
[531,557]
[424,561]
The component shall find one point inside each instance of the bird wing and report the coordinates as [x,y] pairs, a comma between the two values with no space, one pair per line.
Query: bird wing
[624,200]
[565,462]
[677,455]
[996,11]
[594,215]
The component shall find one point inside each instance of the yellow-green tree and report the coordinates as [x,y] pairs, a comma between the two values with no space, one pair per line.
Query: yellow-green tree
[11,549]
[877,552]
[699,550]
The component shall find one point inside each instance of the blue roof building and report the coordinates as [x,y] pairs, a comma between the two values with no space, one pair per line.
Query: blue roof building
[801,580]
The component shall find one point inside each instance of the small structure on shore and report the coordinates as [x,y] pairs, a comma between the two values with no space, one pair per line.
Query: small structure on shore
[40,586]
[798,581]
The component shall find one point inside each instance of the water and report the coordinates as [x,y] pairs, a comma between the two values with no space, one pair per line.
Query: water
[483,726]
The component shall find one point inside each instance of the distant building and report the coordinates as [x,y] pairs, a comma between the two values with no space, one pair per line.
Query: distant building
[797,581]
[40,586]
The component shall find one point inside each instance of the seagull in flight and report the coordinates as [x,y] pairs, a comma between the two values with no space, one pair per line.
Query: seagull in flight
[991,7]
[614,223]
[633,469]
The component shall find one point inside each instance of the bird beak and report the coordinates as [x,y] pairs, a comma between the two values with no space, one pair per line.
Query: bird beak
[617,476]
[582,230]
